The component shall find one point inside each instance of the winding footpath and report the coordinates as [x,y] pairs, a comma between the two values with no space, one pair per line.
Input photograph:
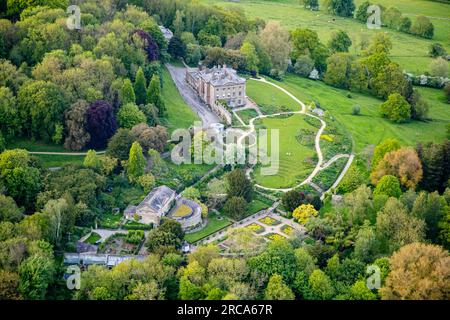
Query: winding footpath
[320,163]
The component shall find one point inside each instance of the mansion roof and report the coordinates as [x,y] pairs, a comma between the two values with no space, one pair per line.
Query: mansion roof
[219,76]
[157,199]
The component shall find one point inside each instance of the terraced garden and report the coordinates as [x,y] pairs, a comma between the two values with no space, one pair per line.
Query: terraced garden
[296,159]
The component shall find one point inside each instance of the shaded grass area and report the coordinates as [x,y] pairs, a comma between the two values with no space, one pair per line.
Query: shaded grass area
[179,114]
[34,146]
[213,226]
[48,161]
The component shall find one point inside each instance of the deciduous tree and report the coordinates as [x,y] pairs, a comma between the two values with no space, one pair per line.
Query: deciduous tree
[277,289]
[388,186]
[395,227]
[304,212]
[129,116]
[101,124]
[396,108]
[75,120]
[418,272]
[403,164]
[239,185]
[339,41]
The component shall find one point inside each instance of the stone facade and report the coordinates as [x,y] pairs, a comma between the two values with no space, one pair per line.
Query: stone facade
[163,201]
[155,205]
[218,84]
[191,220]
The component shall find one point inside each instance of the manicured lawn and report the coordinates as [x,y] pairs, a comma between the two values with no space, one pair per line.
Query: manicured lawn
[256,206]
[296,161]
[35,146]
[270,99]
[134,225]
[93,238]
[408,50]
[48,161]
[182,211]
[213,226]
[179,114]
[247,114]
[369,128]
[110,221]
[55,161]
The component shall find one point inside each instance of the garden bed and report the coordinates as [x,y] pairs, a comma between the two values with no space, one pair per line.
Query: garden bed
[255,227]
[269,221]
[326,177]
[274,236]
[118,244]
[288,230]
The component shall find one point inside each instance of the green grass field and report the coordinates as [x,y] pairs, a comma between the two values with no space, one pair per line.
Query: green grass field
[179,114]
[247,114]
[255,206]
[48,161]
[270,99]
[369,128]
[409,51]
[295,160]
[213,225]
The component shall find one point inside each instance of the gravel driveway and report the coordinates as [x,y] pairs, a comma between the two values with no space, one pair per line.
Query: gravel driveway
[190,96]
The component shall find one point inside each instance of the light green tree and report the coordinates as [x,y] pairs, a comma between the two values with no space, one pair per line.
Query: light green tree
[396,108]
[388,186]
[154,95]
[277,289]
[127,92]
[251,57]
[320,286]
[92,160]
[140,87]
[129,116]
[136,162]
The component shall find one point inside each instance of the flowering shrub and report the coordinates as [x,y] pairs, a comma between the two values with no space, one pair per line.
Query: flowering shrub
[304,212]
[327,138]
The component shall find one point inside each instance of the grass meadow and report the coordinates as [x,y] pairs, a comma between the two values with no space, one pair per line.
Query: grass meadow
[408,50]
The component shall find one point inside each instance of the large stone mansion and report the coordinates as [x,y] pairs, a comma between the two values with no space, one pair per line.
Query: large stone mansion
[163,201]
[217,84]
